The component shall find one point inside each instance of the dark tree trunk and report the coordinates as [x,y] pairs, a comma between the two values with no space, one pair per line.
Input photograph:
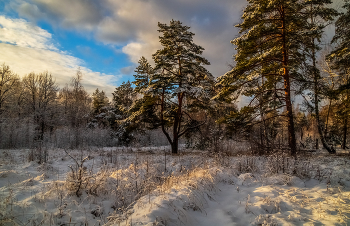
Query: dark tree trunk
[345,130]
[177,125]
[1,142]
[328,111]
[175,144]
[301,134]
[175,147]
[317,114]
[286,77]
[323,140]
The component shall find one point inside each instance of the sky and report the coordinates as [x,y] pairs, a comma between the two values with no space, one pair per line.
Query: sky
[106,38]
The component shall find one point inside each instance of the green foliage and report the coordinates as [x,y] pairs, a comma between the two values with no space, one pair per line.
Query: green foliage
[179,67]
[143,110]
[142,76]
[102,112]
[340,61]
[179,71]
[259,60]
[177,86]
[277,37]
[340,57]
[99,100]
[123,97]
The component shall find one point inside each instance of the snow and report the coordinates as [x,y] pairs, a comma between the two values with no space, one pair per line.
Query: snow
[146,186]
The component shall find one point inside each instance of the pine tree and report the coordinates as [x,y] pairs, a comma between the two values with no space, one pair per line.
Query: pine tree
[143,110]
[340,59]
[178,84]
[142,77]
[318,16]
[123,97]
[269,54]
[101,110]
[99,100]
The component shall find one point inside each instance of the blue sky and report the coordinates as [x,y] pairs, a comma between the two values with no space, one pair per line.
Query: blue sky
[106,38]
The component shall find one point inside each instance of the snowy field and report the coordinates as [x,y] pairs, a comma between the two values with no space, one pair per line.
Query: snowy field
[145,186]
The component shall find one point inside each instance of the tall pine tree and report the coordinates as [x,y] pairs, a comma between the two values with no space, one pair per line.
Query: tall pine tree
[318,17]
[340,59]
[178,84]
[269,53]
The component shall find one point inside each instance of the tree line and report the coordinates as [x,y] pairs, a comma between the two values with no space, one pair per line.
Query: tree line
[280,55]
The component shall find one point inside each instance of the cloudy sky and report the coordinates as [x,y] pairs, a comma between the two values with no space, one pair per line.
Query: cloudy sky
[106,38]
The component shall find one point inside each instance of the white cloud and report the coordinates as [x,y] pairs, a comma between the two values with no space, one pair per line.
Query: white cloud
[133,23]
[136,49]
[27,48]
[24,34]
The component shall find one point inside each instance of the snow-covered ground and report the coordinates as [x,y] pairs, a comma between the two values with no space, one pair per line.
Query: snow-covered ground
[145,186]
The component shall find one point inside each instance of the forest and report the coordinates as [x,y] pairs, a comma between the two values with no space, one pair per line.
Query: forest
[174,140]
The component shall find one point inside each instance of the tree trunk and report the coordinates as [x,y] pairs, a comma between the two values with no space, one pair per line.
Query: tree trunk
[345,130]
[323,140]
[317,114]
[177,125]
[326,129]
[301,134]
[175,147]
[319,128]
[1,141]
[291,130]
[286,77]
[175,144]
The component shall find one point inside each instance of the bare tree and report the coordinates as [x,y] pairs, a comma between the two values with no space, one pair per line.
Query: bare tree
[40,94]
[76,104]
[8,82]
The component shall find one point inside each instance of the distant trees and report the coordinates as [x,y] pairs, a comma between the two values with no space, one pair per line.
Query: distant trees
[78,101]
[123,98]
[8,82]
[99,101]
[276,60]
[40,93]
[40,103]
[101,110]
